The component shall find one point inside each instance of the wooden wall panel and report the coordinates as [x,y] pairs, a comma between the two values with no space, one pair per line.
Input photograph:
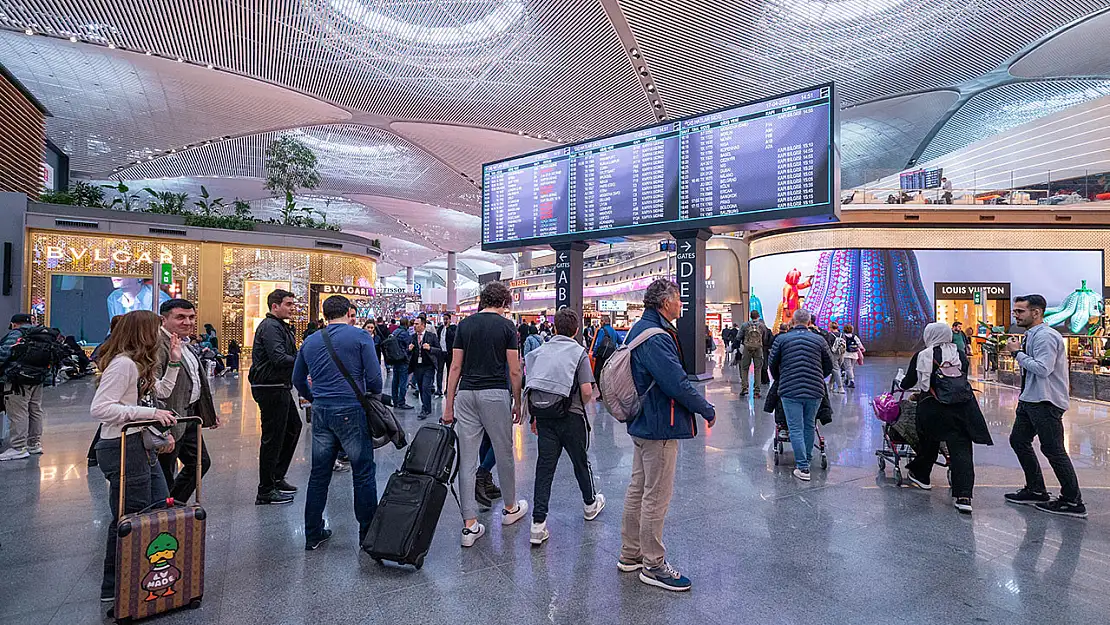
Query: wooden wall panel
[22,140]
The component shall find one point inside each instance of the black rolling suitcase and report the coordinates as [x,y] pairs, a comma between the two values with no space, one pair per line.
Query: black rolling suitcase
[407,515]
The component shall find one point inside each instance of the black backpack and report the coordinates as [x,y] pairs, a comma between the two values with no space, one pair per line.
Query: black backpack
[392,350]
[547,405]
[34,355]
[606,348]
[948,383]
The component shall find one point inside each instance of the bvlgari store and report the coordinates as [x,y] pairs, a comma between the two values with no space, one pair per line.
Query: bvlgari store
[77,282]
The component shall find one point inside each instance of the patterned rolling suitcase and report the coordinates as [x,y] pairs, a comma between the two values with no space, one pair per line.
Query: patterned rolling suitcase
[159,552]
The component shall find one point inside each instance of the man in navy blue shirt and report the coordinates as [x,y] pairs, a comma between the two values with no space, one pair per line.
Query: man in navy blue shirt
[338,419]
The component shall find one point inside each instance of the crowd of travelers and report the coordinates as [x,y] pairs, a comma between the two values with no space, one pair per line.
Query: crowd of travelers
[494,375]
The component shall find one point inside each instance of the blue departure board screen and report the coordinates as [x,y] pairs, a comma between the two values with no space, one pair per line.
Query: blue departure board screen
[772,159]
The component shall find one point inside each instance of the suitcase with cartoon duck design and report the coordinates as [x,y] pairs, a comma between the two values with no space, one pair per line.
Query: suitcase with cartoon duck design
[159,552]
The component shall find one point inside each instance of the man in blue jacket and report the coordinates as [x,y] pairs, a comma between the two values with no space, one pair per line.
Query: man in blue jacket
[338,418]
[800,362]
[669,408]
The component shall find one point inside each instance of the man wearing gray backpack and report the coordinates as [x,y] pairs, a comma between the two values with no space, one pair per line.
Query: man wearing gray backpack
[558,387]
[751,348]
[669,405]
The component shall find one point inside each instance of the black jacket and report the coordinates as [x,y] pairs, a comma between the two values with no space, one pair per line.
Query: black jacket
[800,360]
[937,421]
[429,356]
[274,353]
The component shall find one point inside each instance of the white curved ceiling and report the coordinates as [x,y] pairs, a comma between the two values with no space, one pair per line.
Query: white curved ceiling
[403,100]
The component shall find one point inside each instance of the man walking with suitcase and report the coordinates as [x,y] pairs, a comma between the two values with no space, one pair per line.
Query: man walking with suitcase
[338,418]
[271,378]
[483,393]
[191,397]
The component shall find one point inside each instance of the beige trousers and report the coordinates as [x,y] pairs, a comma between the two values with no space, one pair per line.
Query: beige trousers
[647,500]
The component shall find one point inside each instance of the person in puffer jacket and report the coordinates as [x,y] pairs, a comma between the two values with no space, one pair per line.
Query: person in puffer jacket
[800,361]
[669,409]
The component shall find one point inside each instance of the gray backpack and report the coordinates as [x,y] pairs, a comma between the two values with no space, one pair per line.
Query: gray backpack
[618,390]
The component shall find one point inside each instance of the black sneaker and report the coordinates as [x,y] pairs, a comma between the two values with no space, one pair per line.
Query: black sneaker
[1026,497]
[483,500]
[423,415]
[963,504]
[406,407]
[341,467]
[273,497]
[1063,507]
[285,487]
[313,544]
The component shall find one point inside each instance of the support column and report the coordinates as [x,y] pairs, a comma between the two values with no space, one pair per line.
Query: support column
[690,272]
[410,275]
[452,282]
[569,277]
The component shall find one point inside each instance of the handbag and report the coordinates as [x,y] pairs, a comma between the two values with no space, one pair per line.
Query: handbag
[154,438]
[382,424]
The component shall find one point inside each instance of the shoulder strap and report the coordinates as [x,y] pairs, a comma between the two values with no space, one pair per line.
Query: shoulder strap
[645,335]
[339,363]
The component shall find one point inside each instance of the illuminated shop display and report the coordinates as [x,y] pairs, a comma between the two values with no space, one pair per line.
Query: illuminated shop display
[77,282]
[889,295]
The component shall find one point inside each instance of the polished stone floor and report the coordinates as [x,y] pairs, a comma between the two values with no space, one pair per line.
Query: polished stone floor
[761,547]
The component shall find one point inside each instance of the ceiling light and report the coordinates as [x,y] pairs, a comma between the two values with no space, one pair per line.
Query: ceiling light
[180,60]
[651,88]
[494,24]
[209,66]
[111,46]
[29,32]
[634,52]
[643,71]
[73,39]
[148,53]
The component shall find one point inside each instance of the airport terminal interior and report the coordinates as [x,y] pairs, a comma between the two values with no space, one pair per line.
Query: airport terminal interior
[805,203]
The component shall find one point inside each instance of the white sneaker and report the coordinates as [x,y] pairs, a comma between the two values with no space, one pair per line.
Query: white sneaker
[471,535]
[508,518]
[801,475]
[539,533]
[15,454]
[35,449]
[592,510]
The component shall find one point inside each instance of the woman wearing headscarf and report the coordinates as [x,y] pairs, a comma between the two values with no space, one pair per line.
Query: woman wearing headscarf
[957,424]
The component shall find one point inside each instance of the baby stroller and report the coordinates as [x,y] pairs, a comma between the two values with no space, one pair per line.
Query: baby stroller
[900,433]
[782,438]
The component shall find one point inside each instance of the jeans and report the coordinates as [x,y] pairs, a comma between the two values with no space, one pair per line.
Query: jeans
[960,458]
[335,428]
[800,415]
[555,435]
[486,457]
[425,380]
[1043,420]
[281,429]
[144,484]
[647,500]
[477,413]
[400,383]
[24,405]
[182,487]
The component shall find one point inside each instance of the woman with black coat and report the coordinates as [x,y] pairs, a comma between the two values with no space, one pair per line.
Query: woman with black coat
[957,424]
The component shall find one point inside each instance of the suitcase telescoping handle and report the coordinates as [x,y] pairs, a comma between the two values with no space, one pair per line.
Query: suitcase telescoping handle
[123,453]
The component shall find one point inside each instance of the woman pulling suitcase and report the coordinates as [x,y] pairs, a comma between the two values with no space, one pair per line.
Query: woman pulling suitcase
[129,360]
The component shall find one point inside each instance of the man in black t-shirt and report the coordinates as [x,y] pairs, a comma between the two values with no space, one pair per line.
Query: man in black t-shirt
[483,394]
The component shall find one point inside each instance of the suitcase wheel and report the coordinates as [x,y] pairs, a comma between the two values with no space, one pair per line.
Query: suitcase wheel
[419,563]
[194,604]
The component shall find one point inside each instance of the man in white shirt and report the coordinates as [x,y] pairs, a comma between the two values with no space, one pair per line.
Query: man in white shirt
[191,396]
[423,353]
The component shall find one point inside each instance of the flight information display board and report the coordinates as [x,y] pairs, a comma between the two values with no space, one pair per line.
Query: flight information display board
[771,159]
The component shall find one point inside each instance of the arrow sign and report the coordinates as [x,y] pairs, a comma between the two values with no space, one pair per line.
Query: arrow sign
[686,246]
[562,256]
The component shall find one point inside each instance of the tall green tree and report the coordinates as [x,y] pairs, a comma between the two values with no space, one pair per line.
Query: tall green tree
[290,167]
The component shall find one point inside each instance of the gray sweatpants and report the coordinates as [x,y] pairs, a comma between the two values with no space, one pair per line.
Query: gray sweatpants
[489,411]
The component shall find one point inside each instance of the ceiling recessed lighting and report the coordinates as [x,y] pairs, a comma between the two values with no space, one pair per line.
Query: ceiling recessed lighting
[73,39]
[180,60]
[651,88]
[148,52]
[29,32]
[209,66]
[111,46]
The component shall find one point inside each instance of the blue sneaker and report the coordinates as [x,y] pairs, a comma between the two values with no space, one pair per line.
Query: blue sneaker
[665,577]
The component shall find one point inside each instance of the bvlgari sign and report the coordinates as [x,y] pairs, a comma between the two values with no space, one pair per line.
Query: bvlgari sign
[342,289]
[967,290]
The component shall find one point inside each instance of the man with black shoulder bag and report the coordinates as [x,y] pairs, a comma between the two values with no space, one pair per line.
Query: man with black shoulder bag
[343,364]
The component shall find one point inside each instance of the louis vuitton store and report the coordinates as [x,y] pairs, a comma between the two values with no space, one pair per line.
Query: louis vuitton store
[78,281]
